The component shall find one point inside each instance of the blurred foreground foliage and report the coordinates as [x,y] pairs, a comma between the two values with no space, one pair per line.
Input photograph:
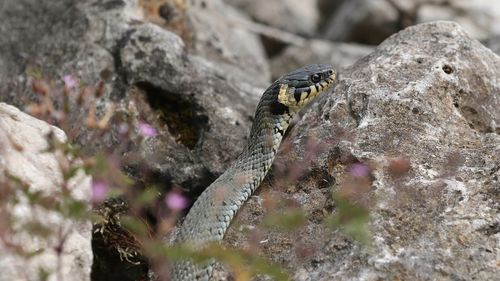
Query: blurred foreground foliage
[118,205]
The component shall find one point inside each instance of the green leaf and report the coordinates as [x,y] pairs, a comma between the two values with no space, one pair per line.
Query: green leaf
[290,220]
[76,209]
[351,219]
[147,196]
[71,172]
[135,226]
[37,229]
[43,274]
[237,260]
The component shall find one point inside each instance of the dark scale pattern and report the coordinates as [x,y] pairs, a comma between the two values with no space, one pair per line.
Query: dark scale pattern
[211,214]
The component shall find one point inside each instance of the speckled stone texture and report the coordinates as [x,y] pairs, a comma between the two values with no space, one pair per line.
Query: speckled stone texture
[182,75]
[200,100]
[431,95]
[24,154]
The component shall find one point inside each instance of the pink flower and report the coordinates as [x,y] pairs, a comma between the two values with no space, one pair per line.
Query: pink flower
[123,128]
[359,170]
[175,201]
[69,81]
[147,130]
[100,191]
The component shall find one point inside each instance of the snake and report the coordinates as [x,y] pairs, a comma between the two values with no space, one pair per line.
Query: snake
[211,214]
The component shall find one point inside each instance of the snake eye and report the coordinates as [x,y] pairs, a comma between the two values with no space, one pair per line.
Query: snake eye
[315,78]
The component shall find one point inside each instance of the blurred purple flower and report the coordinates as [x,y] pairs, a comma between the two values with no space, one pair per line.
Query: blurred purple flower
[175,201]
[69,81]
[359,170]
[123,128]
[147,130]
[99,191]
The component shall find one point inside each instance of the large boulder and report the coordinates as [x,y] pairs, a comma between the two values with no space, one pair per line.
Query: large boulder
[418,122]
[174,77]
[201,113]
[224,40]
[25,155]
[227,41]
[169,72]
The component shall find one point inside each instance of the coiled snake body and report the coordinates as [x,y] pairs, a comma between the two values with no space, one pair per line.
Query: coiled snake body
[211,214]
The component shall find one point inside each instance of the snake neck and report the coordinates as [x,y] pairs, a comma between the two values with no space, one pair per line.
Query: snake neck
[265,138]
[213,211]
[215,208]
[218,204]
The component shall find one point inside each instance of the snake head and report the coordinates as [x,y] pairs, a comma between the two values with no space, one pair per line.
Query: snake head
[301,86]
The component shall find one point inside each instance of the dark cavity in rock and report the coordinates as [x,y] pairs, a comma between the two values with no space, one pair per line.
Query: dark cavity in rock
[447,69]
[475,120]
[184,118]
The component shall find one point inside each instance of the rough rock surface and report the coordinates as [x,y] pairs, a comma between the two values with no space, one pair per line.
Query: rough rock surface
[201,113]
[220,39]
[22,154]
[318,51]
[201,118]
[429,94]
[224,40]
[197,96]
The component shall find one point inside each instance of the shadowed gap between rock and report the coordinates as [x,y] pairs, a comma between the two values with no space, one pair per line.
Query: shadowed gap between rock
[183,117]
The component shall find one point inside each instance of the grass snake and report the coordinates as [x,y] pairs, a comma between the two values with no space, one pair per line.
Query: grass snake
[211,214]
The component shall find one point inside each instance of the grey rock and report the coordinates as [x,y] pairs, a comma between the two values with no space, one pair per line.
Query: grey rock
[241,48]
[53,46]
[370,22]
[326,9]
[429,94]
[479,18]
[201,103]
[68,38]
[362,21]
[221,39]
[202,113]
[23,154]
[494,44]
[296,16]
[153,77]
[318,51]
